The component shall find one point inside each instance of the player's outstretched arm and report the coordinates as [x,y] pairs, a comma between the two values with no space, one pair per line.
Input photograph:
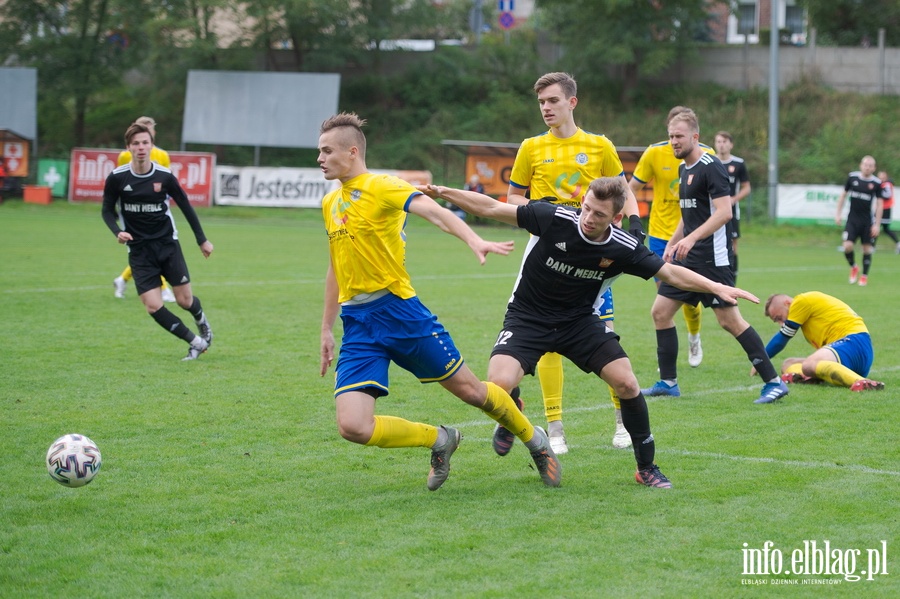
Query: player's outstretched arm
[681,277]
[475,203]
[427,208]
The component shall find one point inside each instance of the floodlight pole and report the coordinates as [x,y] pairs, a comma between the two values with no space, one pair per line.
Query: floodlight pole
[773,110]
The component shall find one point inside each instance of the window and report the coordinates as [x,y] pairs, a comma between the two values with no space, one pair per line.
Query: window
[793,19]
[746,17]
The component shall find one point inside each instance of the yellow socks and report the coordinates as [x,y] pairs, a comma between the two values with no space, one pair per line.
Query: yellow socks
[391,431]
[836,374]
[614,398]
[795,369]
[500,406]
[692,317]
[550,374]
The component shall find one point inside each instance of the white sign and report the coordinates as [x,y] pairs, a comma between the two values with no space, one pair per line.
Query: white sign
[812,204]
[277,187]
[286,187]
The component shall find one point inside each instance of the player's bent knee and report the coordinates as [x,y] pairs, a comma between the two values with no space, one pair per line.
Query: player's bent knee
[355,434]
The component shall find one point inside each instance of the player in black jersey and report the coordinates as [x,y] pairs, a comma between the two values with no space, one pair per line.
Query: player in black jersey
[702,243]
[739,183]
[866,194]
[579,253]
[136,210]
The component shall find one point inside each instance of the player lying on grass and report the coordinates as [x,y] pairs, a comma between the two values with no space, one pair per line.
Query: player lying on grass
[844,352]
[580,252]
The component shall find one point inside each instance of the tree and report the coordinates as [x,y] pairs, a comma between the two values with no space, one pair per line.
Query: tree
[79,47]
[638,38]
[854,22]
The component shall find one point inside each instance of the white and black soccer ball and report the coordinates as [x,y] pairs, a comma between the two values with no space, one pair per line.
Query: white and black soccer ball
[73,460]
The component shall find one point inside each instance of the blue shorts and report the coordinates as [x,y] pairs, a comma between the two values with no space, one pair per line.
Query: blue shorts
[603,307]
[657,245]
[855,352]
[392,329]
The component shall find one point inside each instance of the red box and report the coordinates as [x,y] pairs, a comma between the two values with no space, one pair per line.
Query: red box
[37,194]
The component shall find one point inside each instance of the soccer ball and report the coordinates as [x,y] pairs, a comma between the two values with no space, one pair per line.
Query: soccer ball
[73,460]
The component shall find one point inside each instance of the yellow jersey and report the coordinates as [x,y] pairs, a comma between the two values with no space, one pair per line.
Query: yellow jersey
[563,168]
[824,319]
[157,155]
[659,164]
[364,219]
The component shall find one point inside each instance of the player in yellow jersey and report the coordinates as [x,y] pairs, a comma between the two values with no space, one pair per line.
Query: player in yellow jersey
[383,319]
[659,164]
[160,157]
[843,352]
[558,166]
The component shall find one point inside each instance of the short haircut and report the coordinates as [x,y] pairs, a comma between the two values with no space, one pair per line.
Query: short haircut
[772,299]
[147,121]
[566,83]
[610,188]
[726,135]
[675,110]
[689,117]
[350,129]
[134,129]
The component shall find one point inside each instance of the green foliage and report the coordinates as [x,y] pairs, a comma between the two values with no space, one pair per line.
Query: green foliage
[226,477]
[414,101]
[642,38]
[854,22]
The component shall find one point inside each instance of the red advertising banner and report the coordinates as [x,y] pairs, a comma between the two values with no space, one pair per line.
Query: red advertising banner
[88,169]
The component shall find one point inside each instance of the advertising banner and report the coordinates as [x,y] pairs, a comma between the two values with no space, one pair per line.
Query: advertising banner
[808,203]
[14,152]
[285,187]
[88,169]
[53,174]
[813,204]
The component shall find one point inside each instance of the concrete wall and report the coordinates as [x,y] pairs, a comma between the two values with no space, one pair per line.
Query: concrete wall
[860,70]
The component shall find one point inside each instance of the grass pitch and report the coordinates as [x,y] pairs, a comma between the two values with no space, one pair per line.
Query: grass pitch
[225,477]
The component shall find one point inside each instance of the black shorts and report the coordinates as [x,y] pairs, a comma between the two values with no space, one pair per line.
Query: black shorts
[735,226]
[886,216]
[585,341]
[858,229]
[151,259]
[719,274]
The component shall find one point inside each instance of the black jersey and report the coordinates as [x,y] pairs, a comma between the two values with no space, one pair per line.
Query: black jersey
[863,192]
[737,175]
[138,204]
[701,183]
[564,272]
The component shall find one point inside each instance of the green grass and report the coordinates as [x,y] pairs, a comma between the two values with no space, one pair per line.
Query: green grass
[226,477]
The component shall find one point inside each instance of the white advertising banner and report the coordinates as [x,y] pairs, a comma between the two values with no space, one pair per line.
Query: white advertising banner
[277,187]
[285,187]
[808,204]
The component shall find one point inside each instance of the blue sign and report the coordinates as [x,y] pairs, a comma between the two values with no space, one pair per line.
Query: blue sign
[506,20]
[506,5]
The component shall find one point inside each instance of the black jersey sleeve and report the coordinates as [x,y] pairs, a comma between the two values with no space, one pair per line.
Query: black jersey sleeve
[537,216]
[176,192]
[109,212]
